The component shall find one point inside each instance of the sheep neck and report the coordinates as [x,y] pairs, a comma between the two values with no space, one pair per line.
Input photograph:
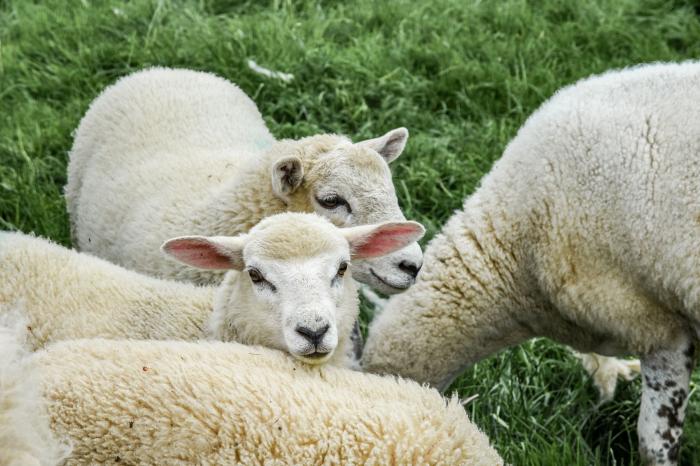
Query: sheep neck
[473,297]
[244,200]
[495,290]
[502,241]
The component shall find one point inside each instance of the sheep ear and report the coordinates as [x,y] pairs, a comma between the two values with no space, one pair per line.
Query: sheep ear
[207,252]
[287,174]
[369,241]
[389,146]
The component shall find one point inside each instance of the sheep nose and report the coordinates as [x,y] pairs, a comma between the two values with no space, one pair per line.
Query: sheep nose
[314,336]
[411,268]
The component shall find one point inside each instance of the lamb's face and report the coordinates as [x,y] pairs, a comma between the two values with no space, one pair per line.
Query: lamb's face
[294,292]
[350,184]
[303,303]
[355,188]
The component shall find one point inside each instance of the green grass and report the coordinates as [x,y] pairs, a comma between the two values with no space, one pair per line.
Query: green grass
[461,75]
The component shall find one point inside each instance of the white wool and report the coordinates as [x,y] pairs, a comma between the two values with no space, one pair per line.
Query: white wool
[603,370]
[25,435]
[65,294]
[585,231]
[223,403]
[165,153]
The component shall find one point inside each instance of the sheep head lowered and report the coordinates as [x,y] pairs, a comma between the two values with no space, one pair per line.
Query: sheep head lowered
[290,285]
[349,184]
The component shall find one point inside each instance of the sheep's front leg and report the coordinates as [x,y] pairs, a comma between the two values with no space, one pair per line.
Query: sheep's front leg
[665,384]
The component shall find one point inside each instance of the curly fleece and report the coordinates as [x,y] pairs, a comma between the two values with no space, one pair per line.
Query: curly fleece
[225,403]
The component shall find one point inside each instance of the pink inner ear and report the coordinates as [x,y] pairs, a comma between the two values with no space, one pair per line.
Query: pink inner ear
[198,253]
[386,240]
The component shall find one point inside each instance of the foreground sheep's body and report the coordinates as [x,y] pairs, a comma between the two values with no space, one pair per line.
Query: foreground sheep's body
[165,153]
[67,295]
[25,436]
[586,231]
[185,403]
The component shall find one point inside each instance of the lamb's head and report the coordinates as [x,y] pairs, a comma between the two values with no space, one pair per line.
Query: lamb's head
[349,184]
[291,287]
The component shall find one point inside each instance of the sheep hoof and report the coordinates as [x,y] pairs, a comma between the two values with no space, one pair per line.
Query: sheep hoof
[606,371]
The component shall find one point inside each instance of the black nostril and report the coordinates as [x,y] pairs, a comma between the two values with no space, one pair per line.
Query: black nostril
[314,336]
[410,268]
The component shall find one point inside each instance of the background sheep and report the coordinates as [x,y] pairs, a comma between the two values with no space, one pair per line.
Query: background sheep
[292,297]
[586,231]
[152,402]
[166,152]
[604,371]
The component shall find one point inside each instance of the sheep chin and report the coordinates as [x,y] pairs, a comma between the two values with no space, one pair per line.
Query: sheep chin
[314,361]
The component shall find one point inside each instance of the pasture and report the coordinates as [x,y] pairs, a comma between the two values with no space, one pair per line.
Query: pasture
[461,75]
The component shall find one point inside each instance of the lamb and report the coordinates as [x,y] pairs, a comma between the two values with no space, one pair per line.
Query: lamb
[586,232]
[296,294]
[604,371]
[168,152]
[167,402]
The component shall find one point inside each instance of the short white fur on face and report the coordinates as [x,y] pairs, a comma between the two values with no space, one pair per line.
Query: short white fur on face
[305,296]
[352,185]
[289,289]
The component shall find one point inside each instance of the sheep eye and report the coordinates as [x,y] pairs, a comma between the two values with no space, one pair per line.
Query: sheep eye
[258,279]
[342,269]
[332,201]
[255,276]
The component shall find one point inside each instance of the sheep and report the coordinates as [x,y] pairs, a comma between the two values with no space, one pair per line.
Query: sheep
[25,436]
[296,294]
[168,152]
[603,370]
[167,402]
[586,232]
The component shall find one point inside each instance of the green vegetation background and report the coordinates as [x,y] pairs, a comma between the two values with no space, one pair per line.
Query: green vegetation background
[461,75]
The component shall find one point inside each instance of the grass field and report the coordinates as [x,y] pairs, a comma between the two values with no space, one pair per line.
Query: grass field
[461,75]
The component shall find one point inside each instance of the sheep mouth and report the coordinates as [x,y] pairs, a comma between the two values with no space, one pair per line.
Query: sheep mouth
[403,286]
[314,358]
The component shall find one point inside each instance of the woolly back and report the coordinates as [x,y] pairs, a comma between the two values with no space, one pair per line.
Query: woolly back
[222,403]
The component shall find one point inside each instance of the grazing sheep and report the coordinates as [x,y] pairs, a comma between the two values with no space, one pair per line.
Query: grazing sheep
[587,231]
[167,152]
[604,371]
[294,296]
[25,436]
[164,402]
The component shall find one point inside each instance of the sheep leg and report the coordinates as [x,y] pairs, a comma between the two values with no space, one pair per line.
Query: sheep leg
[605,372]
[665,385]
